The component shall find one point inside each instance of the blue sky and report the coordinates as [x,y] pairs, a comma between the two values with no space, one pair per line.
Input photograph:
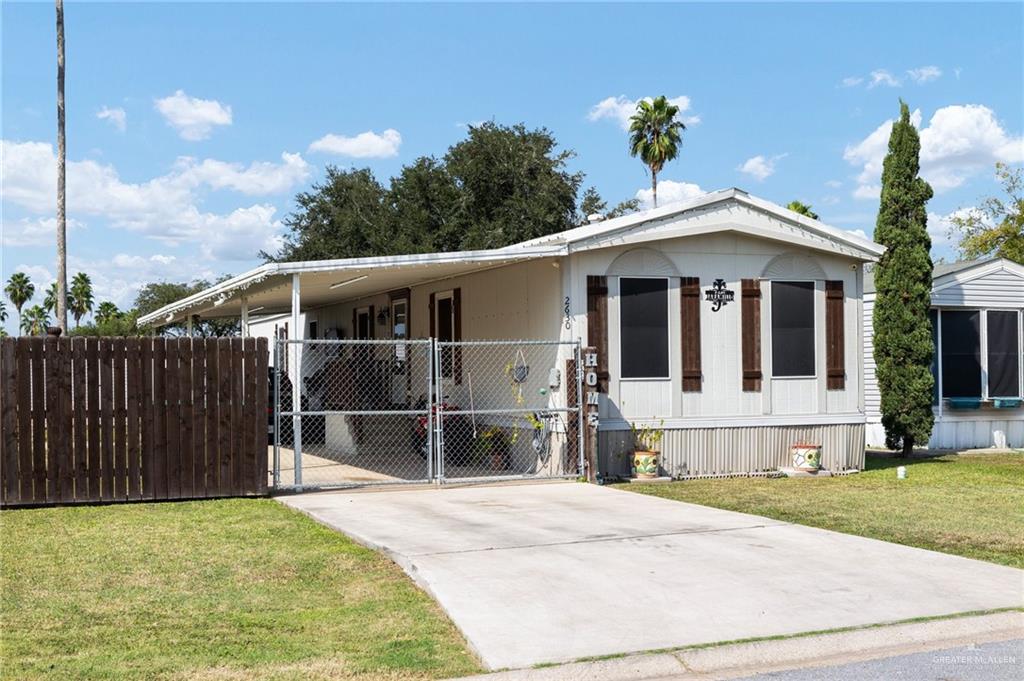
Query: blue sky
[192,126]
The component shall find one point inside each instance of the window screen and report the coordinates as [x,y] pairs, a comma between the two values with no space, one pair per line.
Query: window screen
[792,328]
[961,353]
[643,337]
[1003,354]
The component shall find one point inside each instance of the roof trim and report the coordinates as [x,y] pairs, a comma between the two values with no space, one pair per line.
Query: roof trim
[975,271]
[604,229]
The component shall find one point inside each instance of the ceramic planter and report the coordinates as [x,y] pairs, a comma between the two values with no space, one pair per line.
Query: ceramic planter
[806,457]
[645,464]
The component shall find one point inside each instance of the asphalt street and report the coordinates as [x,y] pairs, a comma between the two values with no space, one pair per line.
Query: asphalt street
[1002,661]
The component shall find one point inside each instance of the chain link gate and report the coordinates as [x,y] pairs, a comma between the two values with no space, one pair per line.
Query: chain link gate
[374,412]
[508,409]
[364,412]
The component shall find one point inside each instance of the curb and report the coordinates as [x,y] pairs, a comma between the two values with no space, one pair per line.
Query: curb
[734,660]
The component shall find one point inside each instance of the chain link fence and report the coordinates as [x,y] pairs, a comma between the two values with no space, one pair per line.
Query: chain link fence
[363,416]
[508,409]
[400,411]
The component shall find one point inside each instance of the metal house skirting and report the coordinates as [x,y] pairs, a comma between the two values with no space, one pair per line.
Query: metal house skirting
[688,452]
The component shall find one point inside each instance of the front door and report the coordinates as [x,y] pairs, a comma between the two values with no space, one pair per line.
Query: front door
[363,329]
[444,325]
[400,378]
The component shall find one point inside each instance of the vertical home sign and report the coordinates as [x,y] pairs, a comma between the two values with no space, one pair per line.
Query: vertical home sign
[591,386]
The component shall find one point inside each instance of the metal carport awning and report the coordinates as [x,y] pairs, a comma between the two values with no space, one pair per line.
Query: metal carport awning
[290,287]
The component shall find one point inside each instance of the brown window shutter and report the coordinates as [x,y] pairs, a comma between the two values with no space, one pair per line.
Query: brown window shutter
[690,317]
[355,323]
[457,333]
[751,334]
[432,314]
[835,356]
[371,325]
[597,325]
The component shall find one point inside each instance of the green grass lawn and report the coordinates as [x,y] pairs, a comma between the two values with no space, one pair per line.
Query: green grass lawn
[234,589]
[968,504]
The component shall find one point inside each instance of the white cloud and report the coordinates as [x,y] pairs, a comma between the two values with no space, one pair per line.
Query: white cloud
[364,145]
[32,231]
[621,108]
[120,277]
[834,184]
[115,116]
[669,191]
[858,232]
[883,77]
[166,208]
[852,81]
[924,74]
[193,118]
[261,177]
[941,229]
[959,141]
[759,167]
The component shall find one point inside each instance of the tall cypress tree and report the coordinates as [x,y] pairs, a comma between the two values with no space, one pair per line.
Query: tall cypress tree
[903,282]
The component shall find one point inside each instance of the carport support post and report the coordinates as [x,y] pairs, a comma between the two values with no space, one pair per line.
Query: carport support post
[245,317]
[296,384]
[188,325]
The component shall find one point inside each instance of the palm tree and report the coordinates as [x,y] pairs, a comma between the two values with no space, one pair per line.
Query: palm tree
[35,321]
[62,243]
[655,136]
[3,312]
[802,208]
[20,290]
[50,301]
[106,311]
[81,296]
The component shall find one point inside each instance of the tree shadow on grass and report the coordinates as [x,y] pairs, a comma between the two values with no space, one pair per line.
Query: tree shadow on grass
[881,460]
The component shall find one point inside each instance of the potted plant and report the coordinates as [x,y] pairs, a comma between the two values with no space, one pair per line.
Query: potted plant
[494,445]
[646,450]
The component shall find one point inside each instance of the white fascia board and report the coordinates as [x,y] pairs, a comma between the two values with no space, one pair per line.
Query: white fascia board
[794,238]
[225,288]
[816,226]
[598,235]
[969,274]
[492,256]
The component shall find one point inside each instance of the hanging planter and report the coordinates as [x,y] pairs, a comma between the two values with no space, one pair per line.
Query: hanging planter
[520,369]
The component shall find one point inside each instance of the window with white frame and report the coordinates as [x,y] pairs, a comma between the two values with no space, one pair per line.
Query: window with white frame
[1002,327]
[961,353]
[643,327]
[792,312]
[976,345]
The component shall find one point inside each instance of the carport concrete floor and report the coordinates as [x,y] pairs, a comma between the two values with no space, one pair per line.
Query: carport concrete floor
[555,572]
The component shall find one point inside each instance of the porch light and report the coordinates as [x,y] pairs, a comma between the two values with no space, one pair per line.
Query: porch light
[348,281]
[256,309]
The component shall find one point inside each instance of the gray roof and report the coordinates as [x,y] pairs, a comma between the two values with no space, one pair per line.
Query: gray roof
[940,270]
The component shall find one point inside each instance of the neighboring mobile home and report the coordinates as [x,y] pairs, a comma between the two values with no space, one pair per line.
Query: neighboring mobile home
[977,312]
[729,321]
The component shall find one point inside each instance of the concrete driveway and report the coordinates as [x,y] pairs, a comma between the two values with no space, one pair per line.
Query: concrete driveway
[555,572]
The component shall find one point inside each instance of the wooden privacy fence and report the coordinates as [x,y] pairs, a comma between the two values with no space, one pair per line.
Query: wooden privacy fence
[124,419]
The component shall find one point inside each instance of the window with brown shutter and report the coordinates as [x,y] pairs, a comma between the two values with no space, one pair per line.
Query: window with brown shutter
[690,317]
[750,309]
[835,356]
[597,325]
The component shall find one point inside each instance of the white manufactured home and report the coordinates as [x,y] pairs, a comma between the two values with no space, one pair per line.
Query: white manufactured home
[977,315]
[733,324]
